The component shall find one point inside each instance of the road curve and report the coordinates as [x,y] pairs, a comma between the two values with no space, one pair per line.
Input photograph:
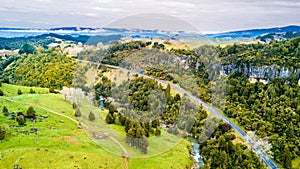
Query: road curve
[258,150]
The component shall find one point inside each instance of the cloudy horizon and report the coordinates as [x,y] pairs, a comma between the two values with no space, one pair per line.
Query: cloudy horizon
[203,15]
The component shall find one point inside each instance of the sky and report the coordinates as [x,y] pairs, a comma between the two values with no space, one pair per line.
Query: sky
[203,15]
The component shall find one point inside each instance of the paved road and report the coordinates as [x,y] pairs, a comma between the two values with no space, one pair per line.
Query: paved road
[258,150]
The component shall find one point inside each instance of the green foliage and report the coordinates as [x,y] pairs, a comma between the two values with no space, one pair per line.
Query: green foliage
[27,49]
[287,159]
[91,55]
[47,68]
[5,111]
[17,42]
[1,93]
[157,45]
[220,152]
[158,73]
[103,88]
[109,119]
[31,91]
[117,52]
[31,113]
[157,131]
[21,120]
[92,116]
[19,92]
[2,132]
[77,112]
[282,53]
[268,109]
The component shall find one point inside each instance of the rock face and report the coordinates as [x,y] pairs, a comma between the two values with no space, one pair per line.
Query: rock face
[267,73]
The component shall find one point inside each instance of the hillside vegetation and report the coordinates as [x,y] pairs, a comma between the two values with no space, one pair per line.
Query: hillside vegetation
[49,68]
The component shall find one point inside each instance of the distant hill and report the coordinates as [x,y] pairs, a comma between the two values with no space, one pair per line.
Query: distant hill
[46,39]
[81,33]
[252,33]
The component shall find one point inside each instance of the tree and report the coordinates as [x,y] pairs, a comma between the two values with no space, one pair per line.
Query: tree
[1,93]
[30,112]
[92,116]
[27,48]
[19,92]
[157,131]
[21,120]
[109,119]
[77,113]
[5,111]
[51,90]
[74,105]
[287,159]
[31,91]
[2,132]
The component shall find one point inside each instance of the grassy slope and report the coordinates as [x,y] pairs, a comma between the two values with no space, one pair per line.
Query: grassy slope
[59,144]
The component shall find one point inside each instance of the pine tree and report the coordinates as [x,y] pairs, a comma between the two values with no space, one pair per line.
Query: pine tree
[92,116]
[77,113]
[30,112]
[21,120]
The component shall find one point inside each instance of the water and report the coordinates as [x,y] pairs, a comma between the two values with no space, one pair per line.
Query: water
[196,152]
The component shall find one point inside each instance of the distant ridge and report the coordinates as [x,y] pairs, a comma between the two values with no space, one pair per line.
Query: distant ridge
[251,33]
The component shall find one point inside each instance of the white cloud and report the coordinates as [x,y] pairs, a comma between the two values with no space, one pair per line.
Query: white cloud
[206,15]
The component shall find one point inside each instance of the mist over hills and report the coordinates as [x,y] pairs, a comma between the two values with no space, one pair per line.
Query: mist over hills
[77,31]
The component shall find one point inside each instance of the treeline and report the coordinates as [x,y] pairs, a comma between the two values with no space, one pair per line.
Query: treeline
[18,42]
[119,51]
[49,68]
[158,73]
[283,53]
[268,109]
[219,151]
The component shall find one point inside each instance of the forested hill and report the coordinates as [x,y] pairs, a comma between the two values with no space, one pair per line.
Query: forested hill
[46,39]
[49,68]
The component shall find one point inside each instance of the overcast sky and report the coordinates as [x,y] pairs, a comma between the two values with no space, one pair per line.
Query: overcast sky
[204,15]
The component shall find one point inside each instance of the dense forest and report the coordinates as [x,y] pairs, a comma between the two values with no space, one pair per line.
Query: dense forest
[271,110]
[46,39]
[219,151]
[49,68]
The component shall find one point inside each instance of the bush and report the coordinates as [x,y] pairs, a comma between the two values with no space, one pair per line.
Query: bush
[91,116]
[21,120]
[51,90]
[5,111]
[30,112]
[77,113]
[19,92]
[31,91]
[1,93]
[2,132]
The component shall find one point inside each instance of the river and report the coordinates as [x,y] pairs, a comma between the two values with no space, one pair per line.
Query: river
[197,157]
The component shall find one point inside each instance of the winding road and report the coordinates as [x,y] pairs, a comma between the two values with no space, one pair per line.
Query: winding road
[257,149]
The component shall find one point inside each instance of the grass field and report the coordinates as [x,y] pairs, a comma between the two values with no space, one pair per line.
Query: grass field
[60,144]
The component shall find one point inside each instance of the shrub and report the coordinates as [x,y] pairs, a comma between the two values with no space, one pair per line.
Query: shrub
[19,92]
[91,116]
